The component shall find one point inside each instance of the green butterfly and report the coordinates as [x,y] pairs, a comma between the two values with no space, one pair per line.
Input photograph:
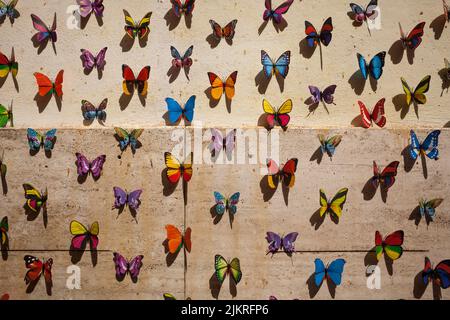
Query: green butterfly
[223,267]
[128,138]
[5,116]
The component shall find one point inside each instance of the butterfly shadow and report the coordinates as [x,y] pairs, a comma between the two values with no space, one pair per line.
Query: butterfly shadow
[444,74]
[173,73]
[438,25]
[396,52]
[124,101]
[4,184]
[316,220]
[262,82]
[213,41]
[31,285]
[31,215]
[357,122]
[447,125]
[77,254]
[370,259]
[317,155]
[218,217]
[314,289]
[417,217]
[407,160]
[172,21]
[4,247]
[84,20]
[43,101]
[41,45]
[168,187]
[351,15]
[16,84]
[357,82]
[279,27]
[420,288]
[126,43]
[401,106]
[170,257]
[369,191]
[265,189]
[11,19]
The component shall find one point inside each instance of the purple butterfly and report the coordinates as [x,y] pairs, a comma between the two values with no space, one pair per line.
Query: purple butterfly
[45,32]
[276,14]
[84,166]
[123,266]
[90,61]
[123,198]
[88,6]
[218,142]
[325,95]
[277,242]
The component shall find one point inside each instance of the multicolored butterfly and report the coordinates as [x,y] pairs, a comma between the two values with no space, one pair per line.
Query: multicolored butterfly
[179,61]
[285,173]
[329,145]
[446,11]
[8,65]
[280,116]
[9,9]
[223,267]
[414,39]
[128,139]
[227,32]
[377,115]
[123,266]
[89,6]
[333,207]
[122,198]
[219,142]
[46,86]
[35,199]
[429,147]
[133,29]
[90,61]
[176,112]
[179,8]
[374,68]
[447,68]
[84,166]
[83,235]
[176,240]
[176,169]
[44,33]
[4,228]
[313,38]
[427,209]
[277,242]
[276,14]
[325,96]
[36,141]
[131,83]
[90,112]
[440,275]
[37,268]
[391,245]
[332,272]
[361,15]
[416,96]
[218,86]
[385,179]
[280,67]
[226,203]
[6,115]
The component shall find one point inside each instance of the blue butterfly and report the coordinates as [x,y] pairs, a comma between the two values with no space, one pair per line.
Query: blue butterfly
[281,66]
[333,271]
[429,147]
[374,68]
[328,145]
[176,112]
[36,140]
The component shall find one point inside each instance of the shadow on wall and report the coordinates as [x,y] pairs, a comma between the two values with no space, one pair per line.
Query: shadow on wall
[438,25]
[172,21]
[215,286]
[313,289]
[420,287]
[371,260]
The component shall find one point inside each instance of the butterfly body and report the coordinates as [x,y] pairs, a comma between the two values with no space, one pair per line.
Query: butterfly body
[328,145]
[90,112]
[428,208]
[83,235]
[386,178]
[84,166]
[176,240]
[223,267]
[277,242]
[89,6]
[8,65]
[123,198]
[416,96]
[4,228]
[36,141]
[361,14]
[414,38]
[226,203]
[219,87]
[124,266]
[134,29]
[280,67]
[285,173]
[227,32]
[429,147]
[374,68]
[45,33]
[313,38]
[276,14]
[377,115]
[176,169]
[128,139]
[440,275]
[334,206]
[180,8]
[176,112]
[332,272]
[37,268]
[35,199]
[5,116]
[391,245]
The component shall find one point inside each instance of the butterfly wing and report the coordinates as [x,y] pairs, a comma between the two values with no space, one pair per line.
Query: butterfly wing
[129,79]
[220,203]
[232,202]
[34,197]
[273,174]
[143,28]
[89,110]
[270,113]
[430,145]
[230,141]
[363,66]
[282,64]
[359,13]
[376,65]
[41,27]
[133,199]
[378,245]
[175,239]
[229,30]
[4,65]
[388,175]
[414,147]
[217,29]
[323,201]
[188,7]
[393,243]
[142,80]
[422,88]
[235,270]
[100,61]
[45,85]
[174,109]
[173,167]
[120,197]
[366,117]
[87,58]
[320,272]
[135,266]
[220,267]
[85,7]
[4,227]
[326,32]
[34,139]
[83,165]
[187,239]
[131,25]
[332,143]
[443,273]
[274,240]
[378,115]
[93,235]
[121,265]
[288,172]
[97,166]
[35,267]
[268,65]
[186,59]
[338,201]
[311,34]
[217,86]
[328,94]
[316,94]
[408,91]
[80,233]
[335,270]
[277,14]
[283,113]
[216,141]
[189,107]
[288,242]
[414,38]
[124,137]
[98,7]
[427,272]
[229,85]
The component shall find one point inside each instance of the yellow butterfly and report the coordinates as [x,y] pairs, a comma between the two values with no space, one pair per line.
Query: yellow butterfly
[418,95]
[334,207]
[218,86]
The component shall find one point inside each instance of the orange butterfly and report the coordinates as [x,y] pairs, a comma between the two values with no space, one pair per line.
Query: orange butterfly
[218,86]
[176,240]
[46,86]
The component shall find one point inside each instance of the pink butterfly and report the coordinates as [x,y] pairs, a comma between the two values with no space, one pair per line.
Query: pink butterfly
[88,6]
[377,115]
[45,33]
[218,142]
[181,61]
[84,166]
[276,14]
[123,266]
[90,61]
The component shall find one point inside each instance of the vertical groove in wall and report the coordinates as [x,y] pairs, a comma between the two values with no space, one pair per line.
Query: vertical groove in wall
[184,216]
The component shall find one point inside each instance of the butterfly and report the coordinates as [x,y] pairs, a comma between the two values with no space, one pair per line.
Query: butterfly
[324,96]
[374,68]
[277,242]
[377,115]
[35,199]
[37,268]
[84,166]
[36,141]
[218,86]
[280,116]
[133,29]
[82,235]
[362,15]
[9,9]
[226,143]
[176,112]
[332,272]
[446,11]
[123,266]
[285,172]
[129,139]
[427,209]
[414,39]
[5,116]
[447,68]
[169,296]
[4,228]
[89,6]
[179,8]
[130,82]
[122,198]
[281,66]
[333,207]
[386,178]
[90,61]
[276,14]
[223,267]
[416,96]
[440,275]
[328,145]
[227,32]
[226,204]
[391,245]
[46,86]
[44,33]
[429,147]
[90,112]
[313,38]
[176,240]
[179,61]
[175,169]
[8,65]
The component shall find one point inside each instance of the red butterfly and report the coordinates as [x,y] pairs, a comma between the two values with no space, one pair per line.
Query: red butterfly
[130,82]
[386,178]
[46,86]
[284,172]
[37,268]
[414,39]
[227,32]
[376,116]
